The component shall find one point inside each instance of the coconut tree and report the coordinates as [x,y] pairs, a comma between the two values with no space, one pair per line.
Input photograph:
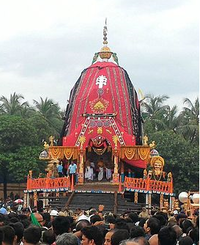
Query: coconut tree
[171,118]
[189,119]
[50,111]
[154,111]
[13,105]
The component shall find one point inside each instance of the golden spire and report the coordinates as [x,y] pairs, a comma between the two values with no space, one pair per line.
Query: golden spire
[105,29]
[105,52]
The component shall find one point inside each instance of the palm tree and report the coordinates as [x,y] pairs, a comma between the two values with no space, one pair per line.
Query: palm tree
[51,112]
[154,111]
[12,106]
[189,118]
[171,119]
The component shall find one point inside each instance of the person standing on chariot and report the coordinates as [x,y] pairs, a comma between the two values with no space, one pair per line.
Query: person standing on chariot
[101,166]
[72,171]
[108,171]
[89,173]
[60,169]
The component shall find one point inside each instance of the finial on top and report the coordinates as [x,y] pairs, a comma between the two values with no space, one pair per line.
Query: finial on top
[105,52]
[105,29]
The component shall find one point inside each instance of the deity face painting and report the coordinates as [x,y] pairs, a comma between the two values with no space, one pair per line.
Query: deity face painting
[157,164]
[158,167]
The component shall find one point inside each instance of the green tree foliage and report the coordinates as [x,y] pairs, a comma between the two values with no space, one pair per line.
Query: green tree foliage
[26,156]
[15,132]
[41,126]
[171,120]
[22,131]
[51,113]
[14,106]
[154,112]
[180,157]
[189,121]
[15,135]
[177,138]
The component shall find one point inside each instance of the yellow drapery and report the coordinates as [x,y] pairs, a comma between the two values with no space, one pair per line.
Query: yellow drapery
[134,152]
[58,152]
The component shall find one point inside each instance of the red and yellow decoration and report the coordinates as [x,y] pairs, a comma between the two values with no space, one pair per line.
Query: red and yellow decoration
[99,105]
[59,152]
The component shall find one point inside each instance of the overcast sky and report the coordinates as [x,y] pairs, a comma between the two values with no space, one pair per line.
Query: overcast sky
[45,44]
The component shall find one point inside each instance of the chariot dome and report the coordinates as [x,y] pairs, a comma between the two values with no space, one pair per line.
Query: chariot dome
[103,113]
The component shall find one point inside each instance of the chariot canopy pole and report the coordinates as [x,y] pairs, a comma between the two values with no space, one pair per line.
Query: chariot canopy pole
[81,165]
[116,161]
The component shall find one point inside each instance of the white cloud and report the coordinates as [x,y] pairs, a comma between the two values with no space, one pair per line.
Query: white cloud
[44,45]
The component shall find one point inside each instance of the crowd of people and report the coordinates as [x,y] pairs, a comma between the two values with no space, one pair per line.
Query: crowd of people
[96,227]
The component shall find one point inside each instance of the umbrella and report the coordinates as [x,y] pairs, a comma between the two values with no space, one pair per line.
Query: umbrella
[18,201]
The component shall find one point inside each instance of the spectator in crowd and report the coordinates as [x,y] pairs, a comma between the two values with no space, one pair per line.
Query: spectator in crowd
[121,224]
[67,239]
[48,237]
[40,219]
[194,234]
[186,226]
[61,225]
[167,236]
[8,235]
[32,235]
[151,227]
[178,230]
[186,241]
[108,236]
[81,224]
[137,231]
[110,221]
[144,214]
[2,219]
[19,231]
[1,235]
[135,241]
[91,235]
[118,236]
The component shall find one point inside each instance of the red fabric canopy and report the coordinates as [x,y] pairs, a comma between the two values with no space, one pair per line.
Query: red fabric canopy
[103,103]
[114,94]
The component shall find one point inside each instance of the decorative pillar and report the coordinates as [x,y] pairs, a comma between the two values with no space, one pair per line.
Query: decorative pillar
[81,168]
[116,167]
[161,201]
[171,202]
[146,199]
[81,165]
[122,172]
[148,202]
[35,198]
[166,204]
[25,200]
[135,197]
[45,199]
[176,204]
